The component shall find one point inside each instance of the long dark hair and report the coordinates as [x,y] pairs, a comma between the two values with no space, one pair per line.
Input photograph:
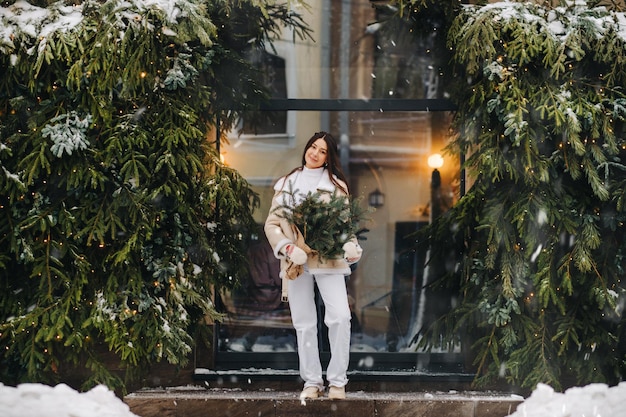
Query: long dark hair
[333,163]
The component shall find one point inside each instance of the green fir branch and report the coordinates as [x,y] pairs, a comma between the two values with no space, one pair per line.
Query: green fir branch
[326,220]
[539,236]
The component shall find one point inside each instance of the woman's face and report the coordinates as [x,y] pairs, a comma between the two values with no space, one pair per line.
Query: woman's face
[315,155]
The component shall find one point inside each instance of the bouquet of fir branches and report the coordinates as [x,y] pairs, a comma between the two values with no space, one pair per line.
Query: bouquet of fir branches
[326,225]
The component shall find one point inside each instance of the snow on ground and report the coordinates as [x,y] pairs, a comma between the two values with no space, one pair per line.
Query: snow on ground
[38,400]
[593,400]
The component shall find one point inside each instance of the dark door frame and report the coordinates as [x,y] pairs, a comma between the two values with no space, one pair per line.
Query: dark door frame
[393,365]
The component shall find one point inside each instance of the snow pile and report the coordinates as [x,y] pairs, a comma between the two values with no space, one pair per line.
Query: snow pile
[38,400]
[594,400]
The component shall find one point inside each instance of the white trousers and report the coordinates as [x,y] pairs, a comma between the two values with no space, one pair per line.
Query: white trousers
[301,294]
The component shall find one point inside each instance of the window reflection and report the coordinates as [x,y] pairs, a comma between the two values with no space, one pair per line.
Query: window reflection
[272,69]
[256,318]
[384,152]
[388,152]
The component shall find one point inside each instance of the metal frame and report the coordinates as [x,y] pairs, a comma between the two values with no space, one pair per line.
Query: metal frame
[373,104]
[448,365]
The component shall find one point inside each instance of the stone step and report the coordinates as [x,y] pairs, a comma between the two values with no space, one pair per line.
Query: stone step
[197,401]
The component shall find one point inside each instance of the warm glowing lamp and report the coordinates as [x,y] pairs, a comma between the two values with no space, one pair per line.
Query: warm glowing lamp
[435,161]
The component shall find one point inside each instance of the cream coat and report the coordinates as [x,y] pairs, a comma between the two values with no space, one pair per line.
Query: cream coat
[280,233]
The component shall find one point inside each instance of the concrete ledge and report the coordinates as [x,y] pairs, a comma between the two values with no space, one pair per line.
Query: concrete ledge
[217,402]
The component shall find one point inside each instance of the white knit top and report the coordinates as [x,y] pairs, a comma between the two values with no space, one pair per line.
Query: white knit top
[303,183]
[308,180]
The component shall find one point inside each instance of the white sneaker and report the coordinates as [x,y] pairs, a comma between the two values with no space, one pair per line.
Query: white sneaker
[336,393]
[310,393]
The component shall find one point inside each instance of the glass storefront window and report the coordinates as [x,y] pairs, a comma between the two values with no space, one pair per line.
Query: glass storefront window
[385,156]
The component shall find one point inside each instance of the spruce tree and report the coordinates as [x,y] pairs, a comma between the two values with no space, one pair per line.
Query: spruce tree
[539,238]
[326,221]
[117,217]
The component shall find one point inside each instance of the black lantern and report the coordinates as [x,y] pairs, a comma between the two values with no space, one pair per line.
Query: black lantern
[376,198]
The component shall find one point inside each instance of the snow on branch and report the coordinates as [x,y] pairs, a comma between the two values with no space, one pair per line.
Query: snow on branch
[68,132]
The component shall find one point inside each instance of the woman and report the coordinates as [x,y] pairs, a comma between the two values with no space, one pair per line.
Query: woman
[320,172]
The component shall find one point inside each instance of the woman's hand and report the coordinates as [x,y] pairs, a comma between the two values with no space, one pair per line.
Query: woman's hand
[295,254]
[352,252]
